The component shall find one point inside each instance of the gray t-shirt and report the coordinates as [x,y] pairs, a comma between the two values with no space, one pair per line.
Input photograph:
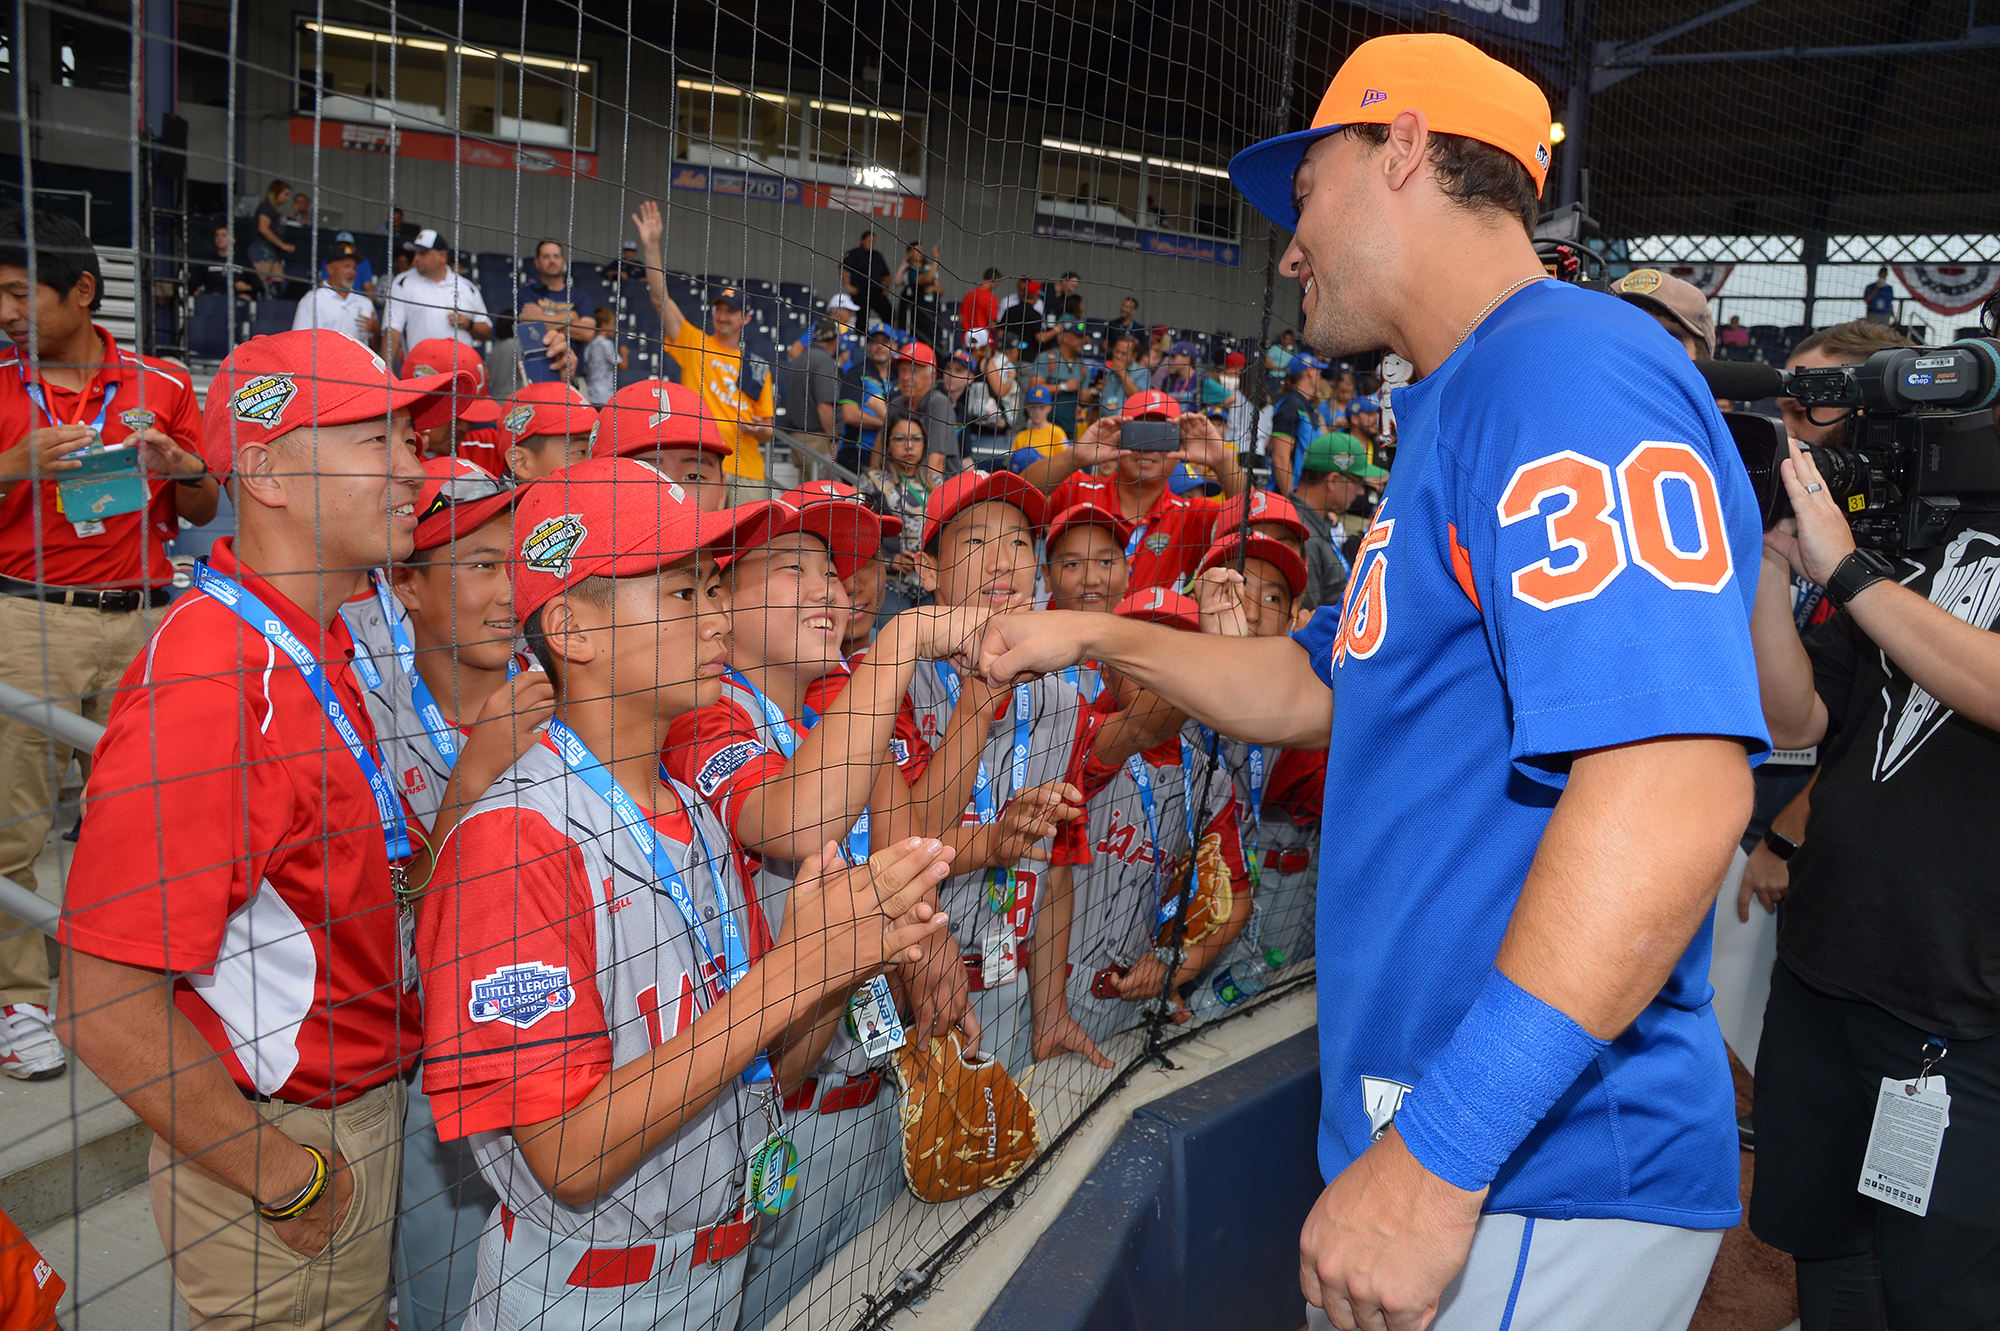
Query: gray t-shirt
[600,369]
[940,422]
[812,379]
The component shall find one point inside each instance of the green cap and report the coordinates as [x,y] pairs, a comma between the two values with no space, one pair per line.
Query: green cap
[1338,451]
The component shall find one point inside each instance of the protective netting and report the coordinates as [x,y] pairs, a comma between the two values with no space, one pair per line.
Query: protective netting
[520,990]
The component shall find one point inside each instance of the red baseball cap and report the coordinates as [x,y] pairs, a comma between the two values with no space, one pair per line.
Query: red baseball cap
[1265,506]
[976,487]
[1290,565]
[550,408]
[1087,513]
[457,497]
[1151,404]
[919,352]
[850,531]
[607,518]
[446,355]
[817,491]
[272,385]
[654,413]
[1161,605]
[1034,288]
[1235,360]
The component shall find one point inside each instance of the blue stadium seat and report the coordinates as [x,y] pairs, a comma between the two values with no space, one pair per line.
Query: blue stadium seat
[758,286]
[796,296]
[208,326]
[498,295]
[591,283]
[273,316]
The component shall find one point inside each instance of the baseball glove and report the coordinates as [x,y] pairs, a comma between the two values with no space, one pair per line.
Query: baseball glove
[966,1125]
[1210,900]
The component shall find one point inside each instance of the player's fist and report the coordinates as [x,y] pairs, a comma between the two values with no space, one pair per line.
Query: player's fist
[1022,645]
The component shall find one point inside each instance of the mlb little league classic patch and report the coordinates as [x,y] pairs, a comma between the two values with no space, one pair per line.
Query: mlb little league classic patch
[518,419]
[521,995]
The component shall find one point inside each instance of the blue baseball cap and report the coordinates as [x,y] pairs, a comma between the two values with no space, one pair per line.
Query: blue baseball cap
[1040,396]
[1186,480]
[1363,404]
[1301,362]
[347,236]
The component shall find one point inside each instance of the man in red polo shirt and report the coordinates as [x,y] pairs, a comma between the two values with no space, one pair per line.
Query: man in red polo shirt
[76,589]
[238,968]
[1168,532]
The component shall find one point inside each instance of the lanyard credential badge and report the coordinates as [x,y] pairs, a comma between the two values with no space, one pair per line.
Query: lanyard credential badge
[1900,1165]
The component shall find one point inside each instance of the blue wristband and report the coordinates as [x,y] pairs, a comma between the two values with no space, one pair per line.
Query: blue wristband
[1511,1059]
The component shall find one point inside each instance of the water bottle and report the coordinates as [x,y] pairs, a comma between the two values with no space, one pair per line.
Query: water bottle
[1255,976]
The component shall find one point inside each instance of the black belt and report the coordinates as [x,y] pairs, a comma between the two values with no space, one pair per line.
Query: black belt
[88,598]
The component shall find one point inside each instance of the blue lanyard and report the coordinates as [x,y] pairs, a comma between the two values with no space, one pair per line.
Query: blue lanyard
[1074,677]
[34,391]
[249,608]
[444,738]
[1138,535]
[999,887]
[1142,776]
[735,956]
[788,744]
[1253,761]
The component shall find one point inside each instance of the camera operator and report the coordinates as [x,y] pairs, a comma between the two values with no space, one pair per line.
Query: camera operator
[1888,946]
[1784,783]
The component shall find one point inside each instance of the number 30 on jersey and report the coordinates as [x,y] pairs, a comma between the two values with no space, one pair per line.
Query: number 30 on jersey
[1692,555]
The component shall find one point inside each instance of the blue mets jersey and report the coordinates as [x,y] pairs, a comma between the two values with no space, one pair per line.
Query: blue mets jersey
[1565,560]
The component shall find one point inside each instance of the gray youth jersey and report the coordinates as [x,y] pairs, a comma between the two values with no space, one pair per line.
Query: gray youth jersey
[644,950]
[1116,911]
[774,887]
[1054,711]
[408,755]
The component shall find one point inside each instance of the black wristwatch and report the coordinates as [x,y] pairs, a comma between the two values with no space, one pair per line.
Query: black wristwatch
[1862,568]
[197,478]
[1780,845]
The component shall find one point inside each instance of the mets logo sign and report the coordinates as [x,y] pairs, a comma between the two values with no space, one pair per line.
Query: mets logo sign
[262,400]
[522,994]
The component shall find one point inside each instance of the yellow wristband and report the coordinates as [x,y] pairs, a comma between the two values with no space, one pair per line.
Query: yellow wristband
[306,1196]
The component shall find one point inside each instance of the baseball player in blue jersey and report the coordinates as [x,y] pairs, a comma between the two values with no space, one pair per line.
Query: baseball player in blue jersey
[1542,708]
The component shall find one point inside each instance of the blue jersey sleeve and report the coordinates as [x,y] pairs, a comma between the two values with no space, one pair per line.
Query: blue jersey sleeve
[1318,638]
[1608,530]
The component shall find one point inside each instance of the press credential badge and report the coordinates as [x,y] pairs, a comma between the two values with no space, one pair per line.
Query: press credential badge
[1903,1144]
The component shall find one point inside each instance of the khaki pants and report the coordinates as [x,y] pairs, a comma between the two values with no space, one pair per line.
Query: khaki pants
[73,657]
[230,1266]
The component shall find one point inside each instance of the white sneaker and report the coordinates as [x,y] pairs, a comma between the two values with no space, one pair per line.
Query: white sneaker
[31,1051]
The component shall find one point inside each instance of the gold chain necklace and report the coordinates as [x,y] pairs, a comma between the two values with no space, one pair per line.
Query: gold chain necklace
[1538,277]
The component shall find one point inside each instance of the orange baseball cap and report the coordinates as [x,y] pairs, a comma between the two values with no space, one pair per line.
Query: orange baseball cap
[1459,88]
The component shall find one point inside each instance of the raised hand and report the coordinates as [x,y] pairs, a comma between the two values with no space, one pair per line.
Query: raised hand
[940,997]
[1032,817]
[844,925]
[1218,595]
[1022,645]
[649,225]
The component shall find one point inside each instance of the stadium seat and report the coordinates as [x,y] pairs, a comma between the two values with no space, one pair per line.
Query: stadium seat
[490,267]
[208,326]
[273,316]
[758,286]
[797,296]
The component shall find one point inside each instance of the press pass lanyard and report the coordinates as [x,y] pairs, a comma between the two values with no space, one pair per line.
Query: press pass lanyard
[999,882]
[1075,678]
[1138,535]
[33,388]
[249,608]
[1142,776]
[788,744]
[735,962]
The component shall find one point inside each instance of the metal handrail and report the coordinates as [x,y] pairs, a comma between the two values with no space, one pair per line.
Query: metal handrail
[30,909]
[48,718]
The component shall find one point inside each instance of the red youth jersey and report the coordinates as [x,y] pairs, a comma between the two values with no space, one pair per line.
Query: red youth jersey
[38,543]
[1168,539]
[30,1289]
[231,838]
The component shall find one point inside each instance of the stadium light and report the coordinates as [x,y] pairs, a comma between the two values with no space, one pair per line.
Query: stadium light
[363,34]
[845,109]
